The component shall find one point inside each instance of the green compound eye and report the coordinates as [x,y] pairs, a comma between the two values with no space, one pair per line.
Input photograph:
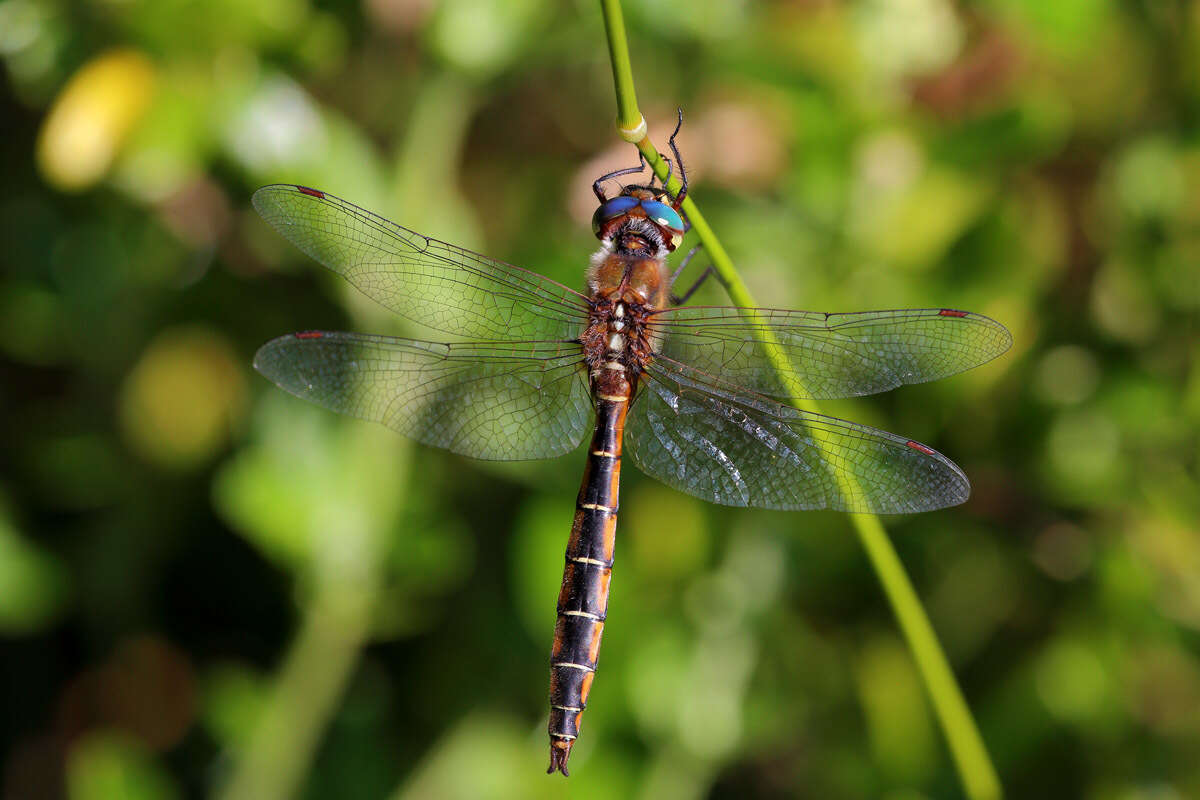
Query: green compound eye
[611,209]
[664,215]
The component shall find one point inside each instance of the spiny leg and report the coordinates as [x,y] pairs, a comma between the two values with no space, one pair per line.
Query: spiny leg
[659,191]
[699,282]
[616,174]
[684,263]
[677,300]
[667,179]
[683,179]
[667,161]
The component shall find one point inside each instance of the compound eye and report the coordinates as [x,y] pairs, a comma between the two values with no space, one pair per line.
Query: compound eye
[611,209]
[663,214]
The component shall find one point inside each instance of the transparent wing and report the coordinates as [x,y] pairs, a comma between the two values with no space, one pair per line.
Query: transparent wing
[834,355]
[716,442]
[500,401]
[427,281]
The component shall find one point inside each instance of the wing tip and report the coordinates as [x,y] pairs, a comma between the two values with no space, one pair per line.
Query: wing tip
[1001,343]
[962,491]
[263,361]
[1004,340]
[266,362]
[263,198]
[265,195]
[958,488]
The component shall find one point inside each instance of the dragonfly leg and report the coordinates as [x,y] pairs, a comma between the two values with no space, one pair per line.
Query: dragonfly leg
[699,282]
[683,180]
[682,172]
[615,174]
[667,179]
[680,300]
[684,263]
[650,187]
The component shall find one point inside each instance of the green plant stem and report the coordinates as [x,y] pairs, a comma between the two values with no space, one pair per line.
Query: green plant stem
[628,116]
[304,695]
[962,735]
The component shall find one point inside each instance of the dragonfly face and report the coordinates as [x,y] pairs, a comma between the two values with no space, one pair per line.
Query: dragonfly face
[636,202]
[630,265]
[533,365]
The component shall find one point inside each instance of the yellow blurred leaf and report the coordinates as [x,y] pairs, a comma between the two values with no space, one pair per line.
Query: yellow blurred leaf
[92,118]
[182,398]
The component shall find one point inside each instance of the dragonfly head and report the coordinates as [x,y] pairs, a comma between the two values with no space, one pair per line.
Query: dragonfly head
[615,216]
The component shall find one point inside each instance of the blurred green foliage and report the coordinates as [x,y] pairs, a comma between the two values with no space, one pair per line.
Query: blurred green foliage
[209,588]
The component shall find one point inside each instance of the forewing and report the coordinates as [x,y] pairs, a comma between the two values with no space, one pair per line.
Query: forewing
[726,446]
[427,281]
[500,401]
[833,355]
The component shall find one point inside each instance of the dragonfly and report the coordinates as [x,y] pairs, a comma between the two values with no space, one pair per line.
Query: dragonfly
[530,366]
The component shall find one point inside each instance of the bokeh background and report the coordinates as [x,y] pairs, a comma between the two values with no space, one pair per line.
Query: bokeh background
[209,588]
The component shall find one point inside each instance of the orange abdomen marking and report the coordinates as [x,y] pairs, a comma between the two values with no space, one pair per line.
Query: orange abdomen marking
[583,598]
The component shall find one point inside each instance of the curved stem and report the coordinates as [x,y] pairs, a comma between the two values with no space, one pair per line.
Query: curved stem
[962,735]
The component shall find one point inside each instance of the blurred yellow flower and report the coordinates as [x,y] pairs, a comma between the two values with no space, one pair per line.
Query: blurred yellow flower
[183,397]
[92,118]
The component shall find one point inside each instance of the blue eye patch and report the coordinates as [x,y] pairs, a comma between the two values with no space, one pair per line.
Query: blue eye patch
[663,214]
[658,212]
[613,208]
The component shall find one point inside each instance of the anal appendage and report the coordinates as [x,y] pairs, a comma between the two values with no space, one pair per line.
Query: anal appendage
[560,751]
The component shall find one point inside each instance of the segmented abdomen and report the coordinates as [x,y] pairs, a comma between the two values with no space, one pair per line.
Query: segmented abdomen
[583,599]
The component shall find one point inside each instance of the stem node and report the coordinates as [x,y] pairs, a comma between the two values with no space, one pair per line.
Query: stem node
[636,133]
